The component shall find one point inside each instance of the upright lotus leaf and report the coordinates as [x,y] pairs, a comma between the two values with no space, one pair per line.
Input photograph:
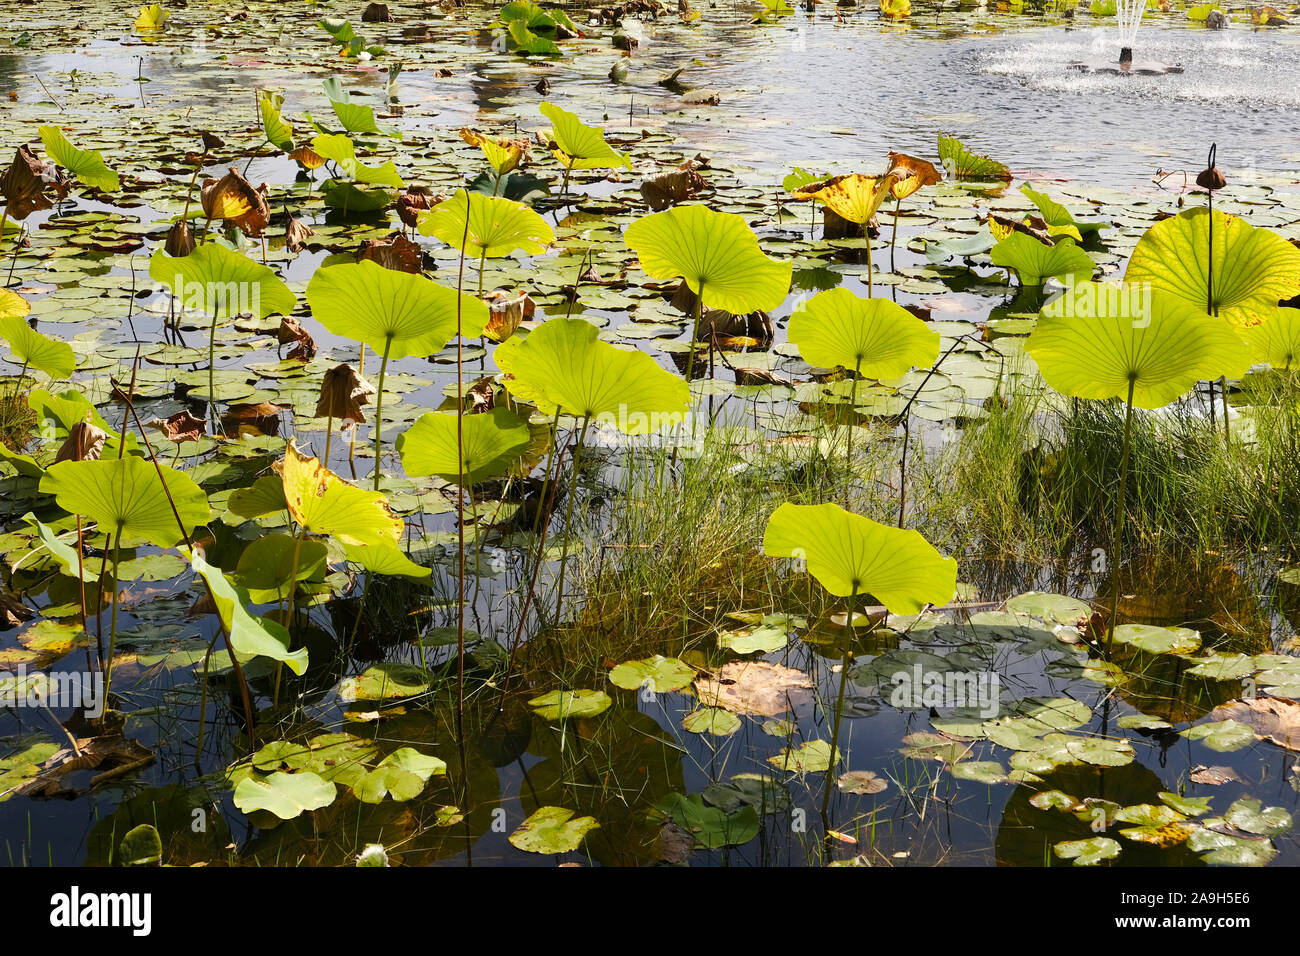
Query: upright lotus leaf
[250,636]
[1251,268]
[855,197]
[850,554]
[12,305]
[386,559]
[355,117]
[497,226]
[1058,218]
[37,351]
[913,174]
[716,254]
[962,164]
[125,497]
[394,312]
[503,154]
[221,282]
[1097,338]
[877,337]
[87,165]
[581,146]
[323,503]
[1277,340]
[1036,261]
[525,39]
[341,150]
[491,442]
[63,554]
[151,17]
[563,364]
[275,127]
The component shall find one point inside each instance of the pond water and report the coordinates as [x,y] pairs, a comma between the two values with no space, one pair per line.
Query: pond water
[937,784]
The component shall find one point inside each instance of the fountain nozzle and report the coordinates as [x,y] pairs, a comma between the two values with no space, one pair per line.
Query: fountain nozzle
[1125,57]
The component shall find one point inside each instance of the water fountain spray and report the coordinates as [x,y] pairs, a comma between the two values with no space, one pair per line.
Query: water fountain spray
[1129,15]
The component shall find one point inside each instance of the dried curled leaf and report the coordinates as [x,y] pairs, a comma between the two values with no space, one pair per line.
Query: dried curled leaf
[233,199]
[342,393]
[30,184]
[396,252]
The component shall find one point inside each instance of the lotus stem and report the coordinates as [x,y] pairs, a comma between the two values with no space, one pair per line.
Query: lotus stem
[893,236]
[839,710]
[203,701]
[853,411]
[568,516]
[112,627]
[212,377]
[379,408]
[482,261]
[460,498]
[329,435]
[1118,542]
[866,237]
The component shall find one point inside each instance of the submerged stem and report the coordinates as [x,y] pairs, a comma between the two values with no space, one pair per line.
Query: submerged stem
[1118,541]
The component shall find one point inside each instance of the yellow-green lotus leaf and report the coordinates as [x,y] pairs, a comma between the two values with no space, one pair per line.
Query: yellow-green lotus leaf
[854,197]
[1277,340]
[221,282]
[323,503]
[850,554]
[1253,269]
[712,251]
[581,146]
[31,348]
[1036,261]
[87,165]
[876,336]
[497,226]
[491,442]
[1098,337]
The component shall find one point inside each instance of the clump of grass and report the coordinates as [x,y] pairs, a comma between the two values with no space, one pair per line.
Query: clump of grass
[16,419]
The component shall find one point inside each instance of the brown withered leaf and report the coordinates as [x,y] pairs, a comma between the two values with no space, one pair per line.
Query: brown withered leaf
[304,346]
[751,687]
[233,199]
[111,754]
[85,442]
[307,157]
[180,427]
[342,393]
[677,185]
[481,396]
[505,314]
[180,239]
[396,252]
[296,235]
[1271,718]
[30,184]
[415,200]
[13,611]
[1213,776]
[915,173]
[261,418]
[211,141]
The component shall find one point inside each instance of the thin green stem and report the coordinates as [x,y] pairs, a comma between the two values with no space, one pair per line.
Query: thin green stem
[568,516]
[379,408]
[1117,543]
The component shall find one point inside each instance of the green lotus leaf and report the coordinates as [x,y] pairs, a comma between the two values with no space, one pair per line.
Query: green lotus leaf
[962,164]
[1223,666]
[87,165]
[24,465]
[1100,751]
[712,827]
[56,359]
[348,197]
[1253,268]
[490,443]
[850,554]
[385,681]
[1223,736]
[1057,608]
[525,39]
[63,554]
[395,313]
[1276,340]
[12,305]
[125,497]
[251,636]
[1187,806]
[763,640]
[562,704]
[581,146]
[562,364]
[1036,261]
[552,830]
[341,150]
[1088,852]
[1248,814]
[1155,344]
[980,771]
[277,130]
[497,226]
[660,674]
[387,560]
[711,720]
[355,117]
[270,562]
[811,756]
[263,497]
[715,253]
[323,503]
[401,775]
[142,846]
[1158,640]
[1058,217]
[286,795]
[221,282]
[875,336]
